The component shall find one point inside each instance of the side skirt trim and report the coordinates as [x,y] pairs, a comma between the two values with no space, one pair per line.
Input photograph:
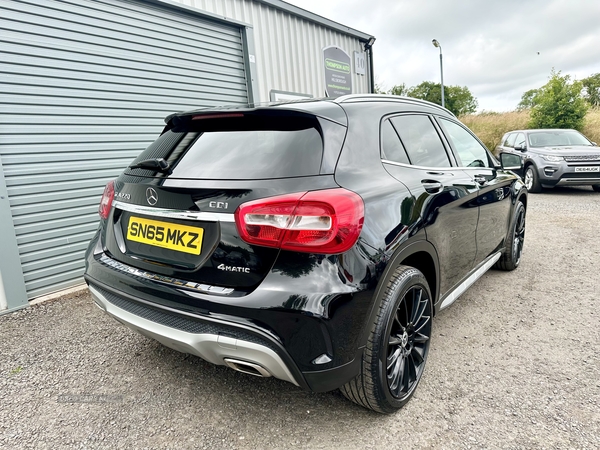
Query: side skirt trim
[453,295]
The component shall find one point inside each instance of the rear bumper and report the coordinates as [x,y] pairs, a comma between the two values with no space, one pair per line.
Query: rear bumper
[248,333]
[216,347]
[303,323]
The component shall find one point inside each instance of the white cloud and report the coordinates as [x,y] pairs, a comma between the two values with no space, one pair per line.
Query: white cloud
[490,47]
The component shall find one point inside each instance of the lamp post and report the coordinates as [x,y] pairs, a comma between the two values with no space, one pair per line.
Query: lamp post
[369,48]
[437,45]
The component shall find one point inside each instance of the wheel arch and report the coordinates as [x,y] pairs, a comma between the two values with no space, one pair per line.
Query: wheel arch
[419,254]
[529,162]
[424,262]
[519,190]
[522,197]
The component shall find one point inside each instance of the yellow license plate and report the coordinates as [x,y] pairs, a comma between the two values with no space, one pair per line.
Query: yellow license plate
[180,238]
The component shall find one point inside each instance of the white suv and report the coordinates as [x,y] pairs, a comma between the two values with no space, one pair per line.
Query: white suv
[554,157]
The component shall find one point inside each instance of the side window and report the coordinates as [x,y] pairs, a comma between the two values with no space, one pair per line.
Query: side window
[470,152]
[421,141]
[520,140]
[391,147]
[510,140]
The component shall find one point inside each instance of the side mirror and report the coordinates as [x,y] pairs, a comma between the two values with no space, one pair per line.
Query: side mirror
[594,144]
[521,147]
[508,161]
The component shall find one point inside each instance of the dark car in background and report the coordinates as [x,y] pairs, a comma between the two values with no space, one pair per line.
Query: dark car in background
[311,241]
[554,157]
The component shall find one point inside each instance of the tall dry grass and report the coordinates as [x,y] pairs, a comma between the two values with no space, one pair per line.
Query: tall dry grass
[490,126]
[591,127]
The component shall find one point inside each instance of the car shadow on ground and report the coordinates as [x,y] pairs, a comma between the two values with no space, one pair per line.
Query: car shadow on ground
[568,190]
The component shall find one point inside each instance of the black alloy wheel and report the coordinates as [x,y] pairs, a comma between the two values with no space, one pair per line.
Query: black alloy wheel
[519,235]
[513,248]
[408,343]
[394,359]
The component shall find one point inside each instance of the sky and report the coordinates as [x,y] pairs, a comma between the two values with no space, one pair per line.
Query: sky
[498,49]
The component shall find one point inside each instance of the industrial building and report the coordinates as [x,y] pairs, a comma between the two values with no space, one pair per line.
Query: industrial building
[85,86]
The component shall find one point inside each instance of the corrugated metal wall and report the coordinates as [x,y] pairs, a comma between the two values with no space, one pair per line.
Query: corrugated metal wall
[289,48]
[84,87]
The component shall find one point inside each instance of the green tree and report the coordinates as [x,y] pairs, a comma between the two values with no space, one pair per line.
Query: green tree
[399,89]
[379,89]
[527,99]
[591,89]
[458,99]
[427,90]
[559,104]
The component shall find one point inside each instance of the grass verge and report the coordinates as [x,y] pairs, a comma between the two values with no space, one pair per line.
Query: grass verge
[491,126]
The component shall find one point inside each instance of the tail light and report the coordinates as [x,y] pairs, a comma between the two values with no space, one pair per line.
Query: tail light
[107,199]
[327,221]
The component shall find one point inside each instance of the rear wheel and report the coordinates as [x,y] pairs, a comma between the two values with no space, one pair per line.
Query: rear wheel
[596,187]
[394,359]
[513,248]
[532,181]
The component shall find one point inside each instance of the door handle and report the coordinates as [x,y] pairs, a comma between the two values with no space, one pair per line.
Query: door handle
[438,174]
[480,179]
[432,186]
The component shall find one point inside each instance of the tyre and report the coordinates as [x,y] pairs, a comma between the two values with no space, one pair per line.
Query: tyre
[532,180]
[513,249]
[596,187]
[396,352]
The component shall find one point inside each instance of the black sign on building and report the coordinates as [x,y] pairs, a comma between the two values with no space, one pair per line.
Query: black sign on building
[338,72]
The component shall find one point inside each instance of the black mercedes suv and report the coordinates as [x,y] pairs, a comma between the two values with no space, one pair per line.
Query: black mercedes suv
[310,241]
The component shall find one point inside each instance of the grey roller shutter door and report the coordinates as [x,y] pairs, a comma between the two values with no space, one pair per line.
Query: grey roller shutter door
[84,87]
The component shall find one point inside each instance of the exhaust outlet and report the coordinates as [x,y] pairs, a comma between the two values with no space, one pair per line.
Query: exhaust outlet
[247,367]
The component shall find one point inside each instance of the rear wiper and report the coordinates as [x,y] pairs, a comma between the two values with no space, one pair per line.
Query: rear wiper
[157,164]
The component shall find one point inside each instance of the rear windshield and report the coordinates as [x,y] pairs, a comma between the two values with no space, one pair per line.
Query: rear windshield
[238,148]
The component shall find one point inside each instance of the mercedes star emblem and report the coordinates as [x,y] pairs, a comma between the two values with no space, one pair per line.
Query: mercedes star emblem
[151,196]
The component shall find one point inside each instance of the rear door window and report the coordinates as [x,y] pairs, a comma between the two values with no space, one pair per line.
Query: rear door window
[421,141]
[391,147]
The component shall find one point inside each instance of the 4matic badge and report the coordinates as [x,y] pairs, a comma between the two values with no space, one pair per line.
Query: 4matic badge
[233,268]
